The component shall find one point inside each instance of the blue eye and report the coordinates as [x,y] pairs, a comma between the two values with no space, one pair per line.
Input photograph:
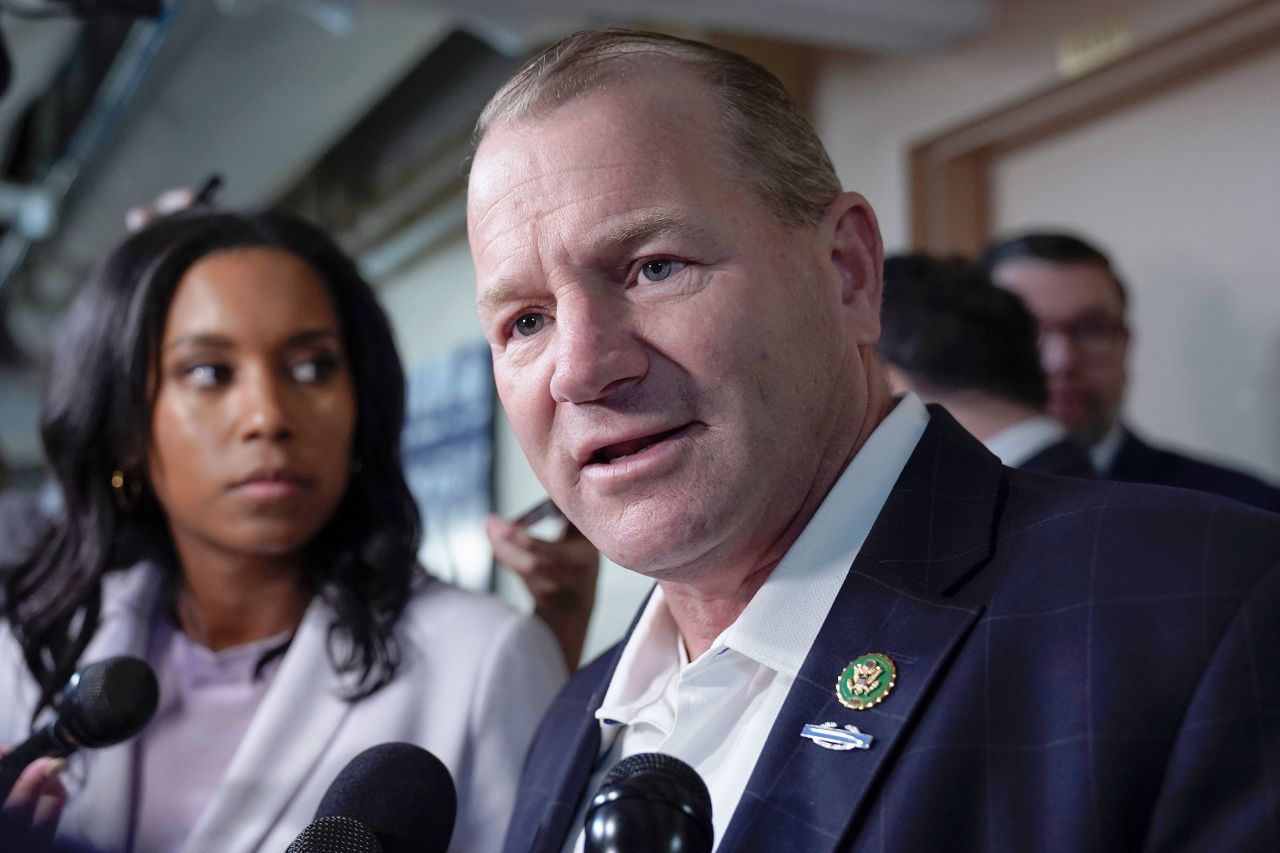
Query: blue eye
[660,268]
[529,324]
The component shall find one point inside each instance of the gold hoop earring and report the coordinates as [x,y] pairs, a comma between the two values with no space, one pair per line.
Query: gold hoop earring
[127,492]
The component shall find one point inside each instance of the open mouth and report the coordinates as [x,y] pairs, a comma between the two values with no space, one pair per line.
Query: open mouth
[613,452]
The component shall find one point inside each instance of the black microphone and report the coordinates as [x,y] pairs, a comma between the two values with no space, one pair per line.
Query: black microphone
[391,798]
[650,801]
[104,703]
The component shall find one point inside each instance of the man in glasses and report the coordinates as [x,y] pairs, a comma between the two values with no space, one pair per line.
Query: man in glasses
[1079,302]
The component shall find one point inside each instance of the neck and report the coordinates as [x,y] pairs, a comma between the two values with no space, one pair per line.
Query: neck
[983,415]
[702,614]
[703,609]
[229,600]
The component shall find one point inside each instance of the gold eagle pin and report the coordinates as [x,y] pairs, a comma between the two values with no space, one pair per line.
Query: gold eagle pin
[866,681]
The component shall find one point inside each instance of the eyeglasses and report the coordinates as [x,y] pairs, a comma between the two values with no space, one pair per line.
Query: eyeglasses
[1091,335]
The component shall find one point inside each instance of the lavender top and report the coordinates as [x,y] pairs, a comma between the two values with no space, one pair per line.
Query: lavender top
[207,700]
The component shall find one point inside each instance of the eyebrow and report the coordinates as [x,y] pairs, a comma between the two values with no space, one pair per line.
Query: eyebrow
[647,224]
[216,341]
[641,226]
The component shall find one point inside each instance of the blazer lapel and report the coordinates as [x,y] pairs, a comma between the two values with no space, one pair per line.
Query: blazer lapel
[932,535]
[100,811]
[298,719]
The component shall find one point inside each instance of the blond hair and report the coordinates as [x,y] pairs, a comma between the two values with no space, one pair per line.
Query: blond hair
[770,141]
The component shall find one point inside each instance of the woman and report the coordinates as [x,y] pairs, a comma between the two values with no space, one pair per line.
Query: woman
[223,416]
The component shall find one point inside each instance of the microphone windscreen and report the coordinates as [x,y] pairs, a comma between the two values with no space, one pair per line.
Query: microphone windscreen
[109,701]
[649,801]
[660,772]
[335,835]
[401,793]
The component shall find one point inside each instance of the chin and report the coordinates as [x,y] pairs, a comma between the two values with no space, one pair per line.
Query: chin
[275,543]
[657,547]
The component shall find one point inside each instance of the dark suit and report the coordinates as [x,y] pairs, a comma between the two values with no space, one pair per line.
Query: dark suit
[1063,458]
[1139,462]
[1082,666]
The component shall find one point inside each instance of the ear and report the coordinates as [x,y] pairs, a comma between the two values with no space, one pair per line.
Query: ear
[857,259]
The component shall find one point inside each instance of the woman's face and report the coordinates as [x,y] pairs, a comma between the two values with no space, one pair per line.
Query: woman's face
[254,412]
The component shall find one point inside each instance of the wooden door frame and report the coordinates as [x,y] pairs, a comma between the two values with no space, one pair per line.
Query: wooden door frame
[951,172]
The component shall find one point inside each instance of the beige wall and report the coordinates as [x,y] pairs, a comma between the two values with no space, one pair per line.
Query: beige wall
[870,111]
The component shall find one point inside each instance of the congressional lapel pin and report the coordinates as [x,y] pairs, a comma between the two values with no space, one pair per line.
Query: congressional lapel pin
[866,681]
[831,736]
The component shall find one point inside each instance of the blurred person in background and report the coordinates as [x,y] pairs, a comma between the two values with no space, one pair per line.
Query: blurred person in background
[223,417]
[954,339]
[560,574]
[1080,304]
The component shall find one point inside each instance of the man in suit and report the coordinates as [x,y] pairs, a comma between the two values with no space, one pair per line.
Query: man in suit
[952,338]
[683,308]
[1080,302]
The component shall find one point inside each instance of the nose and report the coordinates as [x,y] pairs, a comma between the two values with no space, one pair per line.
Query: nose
[263,413]
[597,351]
[1058,353]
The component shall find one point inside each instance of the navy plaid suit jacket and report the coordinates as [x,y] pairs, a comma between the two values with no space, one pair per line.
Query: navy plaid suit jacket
[1082,666]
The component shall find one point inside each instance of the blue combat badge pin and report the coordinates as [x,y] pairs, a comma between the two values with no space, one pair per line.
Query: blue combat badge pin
[831,736]
[866,681]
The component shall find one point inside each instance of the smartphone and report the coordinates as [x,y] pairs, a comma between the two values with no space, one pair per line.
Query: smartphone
[544,510]
[544,521]
[208,191]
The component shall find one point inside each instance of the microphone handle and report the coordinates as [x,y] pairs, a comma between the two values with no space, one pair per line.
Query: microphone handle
[44,742]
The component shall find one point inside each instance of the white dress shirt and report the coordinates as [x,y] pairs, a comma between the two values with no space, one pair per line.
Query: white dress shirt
[1103,454]
[1018,443]
[716,712]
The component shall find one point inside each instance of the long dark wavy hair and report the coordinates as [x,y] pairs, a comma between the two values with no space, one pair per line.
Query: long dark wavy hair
[96,419]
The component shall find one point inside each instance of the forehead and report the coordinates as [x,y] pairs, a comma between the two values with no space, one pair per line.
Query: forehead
[1055,291]
[642,143]
[248,292]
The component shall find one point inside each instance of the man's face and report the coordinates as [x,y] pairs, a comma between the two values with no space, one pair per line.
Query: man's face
[1083,339]
[676,364]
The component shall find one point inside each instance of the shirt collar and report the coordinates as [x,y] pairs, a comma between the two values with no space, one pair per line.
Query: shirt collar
[649,660]
[1103,454]
[1018,443]
[781,622]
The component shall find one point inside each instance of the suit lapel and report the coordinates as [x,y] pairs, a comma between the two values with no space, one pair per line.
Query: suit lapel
[575,738]
[565,754]
[932,535]
[294,726]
